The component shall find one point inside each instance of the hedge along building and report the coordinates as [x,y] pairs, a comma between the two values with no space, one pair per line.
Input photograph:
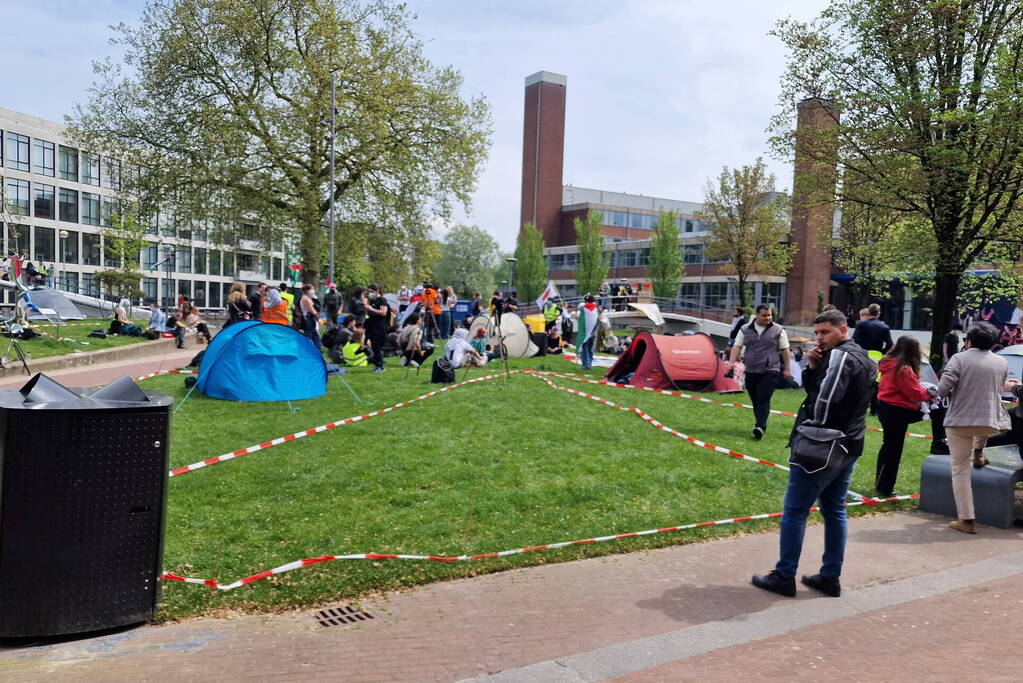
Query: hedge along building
[628,220]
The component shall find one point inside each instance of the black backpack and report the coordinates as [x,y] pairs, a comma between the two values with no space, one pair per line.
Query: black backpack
[443,372]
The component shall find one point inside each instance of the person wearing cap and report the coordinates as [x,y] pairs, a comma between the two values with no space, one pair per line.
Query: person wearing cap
[332,303]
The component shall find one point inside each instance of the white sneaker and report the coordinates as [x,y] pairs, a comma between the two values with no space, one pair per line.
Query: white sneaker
[413,363]
[403,362]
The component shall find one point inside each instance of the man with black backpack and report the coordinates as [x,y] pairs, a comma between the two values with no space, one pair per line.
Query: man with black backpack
[826,441]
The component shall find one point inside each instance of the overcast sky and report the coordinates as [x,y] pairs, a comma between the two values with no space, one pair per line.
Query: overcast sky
[661,93]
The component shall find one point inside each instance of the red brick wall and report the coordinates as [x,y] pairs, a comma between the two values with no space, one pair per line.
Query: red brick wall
[543,152]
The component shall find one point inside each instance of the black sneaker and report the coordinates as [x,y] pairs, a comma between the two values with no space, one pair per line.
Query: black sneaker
[758,434]
[771,581]
[827,585]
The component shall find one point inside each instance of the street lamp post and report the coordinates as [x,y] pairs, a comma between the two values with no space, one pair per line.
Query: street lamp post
[62,235]
[330,194]
[511,272]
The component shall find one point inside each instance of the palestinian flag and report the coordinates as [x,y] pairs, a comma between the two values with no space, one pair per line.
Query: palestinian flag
[589,316]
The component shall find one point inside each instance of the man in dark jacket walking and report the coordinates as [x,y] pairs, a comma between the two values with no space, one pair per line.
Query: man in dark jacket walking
[838,381]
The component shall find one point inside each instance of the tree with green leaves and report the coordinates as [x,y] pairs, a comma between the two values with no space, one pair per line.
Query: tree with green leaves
[594,261]
[225,105]
[123,241]
[665,264]
[467,260]
[748,219]
[925,120]
[531,267]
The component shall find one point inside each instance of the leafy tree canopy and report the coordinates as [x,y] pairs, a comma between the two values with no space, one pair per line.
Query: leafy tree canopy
[468,258]
[531,268]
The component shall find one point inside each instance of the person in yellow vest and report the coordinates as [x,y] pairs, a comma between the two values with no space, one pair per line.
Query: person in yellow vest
[354,352]
[275,308]
[289,298]
[550,314]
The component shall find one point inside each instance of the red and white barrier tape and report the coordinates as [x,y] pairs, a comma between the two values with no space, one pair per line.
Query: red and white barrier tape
[299,564]
[322,428]
[183,371]
[659,425]
[701,399]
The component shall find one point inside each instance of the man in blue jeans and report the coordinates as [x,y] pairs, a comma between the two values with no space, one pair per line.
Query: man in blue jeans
[838,381]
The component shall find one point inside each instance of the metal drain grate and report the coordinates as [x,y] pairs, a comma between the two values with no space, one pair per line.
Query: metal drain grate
[339,616]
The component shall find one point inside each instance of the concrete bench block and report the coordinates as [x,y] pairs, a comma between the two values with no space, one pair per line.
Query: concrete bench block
[993,486]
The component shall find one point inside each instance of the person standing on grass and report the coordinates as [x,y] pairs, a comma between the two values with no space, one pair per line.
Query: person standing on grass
[763,346]
[898,406]
[378,322]
[332,303]
[586,337]
[872,334]
[838,380]
[310,317]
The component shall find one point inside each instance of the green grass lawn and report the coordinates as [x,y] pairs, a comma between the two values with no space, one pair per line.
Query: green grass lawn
[491,466]
[78,331]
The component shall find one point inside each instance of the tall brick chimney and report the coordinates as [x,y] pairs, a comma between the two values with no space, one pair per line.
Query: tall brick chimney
[813,193]
[543,153]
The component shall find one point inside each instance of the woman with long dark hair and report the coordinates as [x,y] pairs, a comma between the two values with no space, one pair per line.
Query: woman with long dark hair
[898,406]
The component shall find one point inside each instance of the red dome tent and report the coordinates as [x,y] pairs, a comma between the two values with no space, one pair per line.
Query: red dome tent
[658,361]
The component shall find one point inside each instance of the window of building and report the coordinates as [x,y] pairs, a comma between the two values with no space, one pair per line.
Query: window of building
[44,200]
[214,263]
[150,290]
[90,249]
[68,281]
[638,220]
[43,161]
[199,261]
[185,288]
[18,196]
[69,247]
[278,270]
[109,212]
[229,263]
[68,205]
[90,209]
[199,231]
[165,221]
[17,234]
[226,290]
[615,218]
[717,294]
[43,246]
[692,254]
[690,294]
[150,255]
[67,162]
[627,258]
[89,285]
[111,173]
[167,289]
[556,262]
[772,294]
[183,258]
[214,301]
[90,168]
[109,259]
[17,151]
[642,257]
[199,294]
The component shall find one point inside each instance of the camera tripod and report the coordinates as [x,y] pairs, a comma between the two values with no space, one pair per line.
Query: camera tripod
[15,345]
[494,332]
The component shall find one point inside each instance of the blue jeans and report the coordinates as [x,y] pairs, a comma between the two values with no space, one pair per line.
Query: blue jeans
[803,490]
[586,353]
[445,324]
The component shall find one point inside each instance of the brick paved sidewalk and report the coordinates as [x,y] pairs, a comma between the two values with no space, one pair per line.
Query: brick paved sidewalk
[633,614]
[102,373]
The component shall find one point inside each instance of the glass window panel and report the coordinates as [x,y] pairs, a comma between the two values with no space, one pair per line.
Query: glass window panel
[214,301]
[199,261]
[183,259]
[68,281]
[18,236]
[89,285]
[228,264]
[44,200]
[69,247]
[90,168]
[111,173]
[150,290]
[68,205]
[67,160]
[167,289]
[150,255]
[185,288]
[18,196]
[43,246]
[110,209]
[636,220]
[199,294]
[43,161]
[278,270]
[90,209]
[90,249]
[17,151]
[214,264]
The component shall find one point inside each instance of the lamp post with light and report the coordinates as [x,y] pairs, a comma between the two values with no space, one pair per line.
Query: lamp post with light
[511,272]
[61,275]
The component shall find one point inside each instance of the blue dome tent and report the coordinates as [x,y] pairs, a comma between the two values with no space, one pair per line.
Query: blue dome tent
[255,361]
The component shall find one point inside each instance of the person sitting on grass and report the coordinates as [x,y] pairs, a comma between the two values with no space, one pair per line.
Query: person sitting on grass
[460,352]
[554,341]
[354,352]
[157,318]
[413,350]
[120,320]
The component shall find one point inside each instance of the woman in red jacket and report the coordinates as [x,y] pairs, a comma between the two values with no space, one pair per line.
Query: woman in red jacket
[898,406]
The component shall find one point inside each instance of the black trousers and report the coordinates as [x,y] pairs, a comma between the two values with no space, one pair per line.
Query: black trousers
[376,350]
[761,386]
[894,421]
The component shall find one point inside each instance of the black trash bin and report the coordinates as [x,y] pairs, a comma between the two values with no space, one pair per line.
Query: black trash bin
[82,493]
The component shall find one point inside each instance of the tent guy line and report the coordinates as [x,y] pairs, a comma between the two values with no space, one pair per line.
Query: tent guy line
[306,562]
